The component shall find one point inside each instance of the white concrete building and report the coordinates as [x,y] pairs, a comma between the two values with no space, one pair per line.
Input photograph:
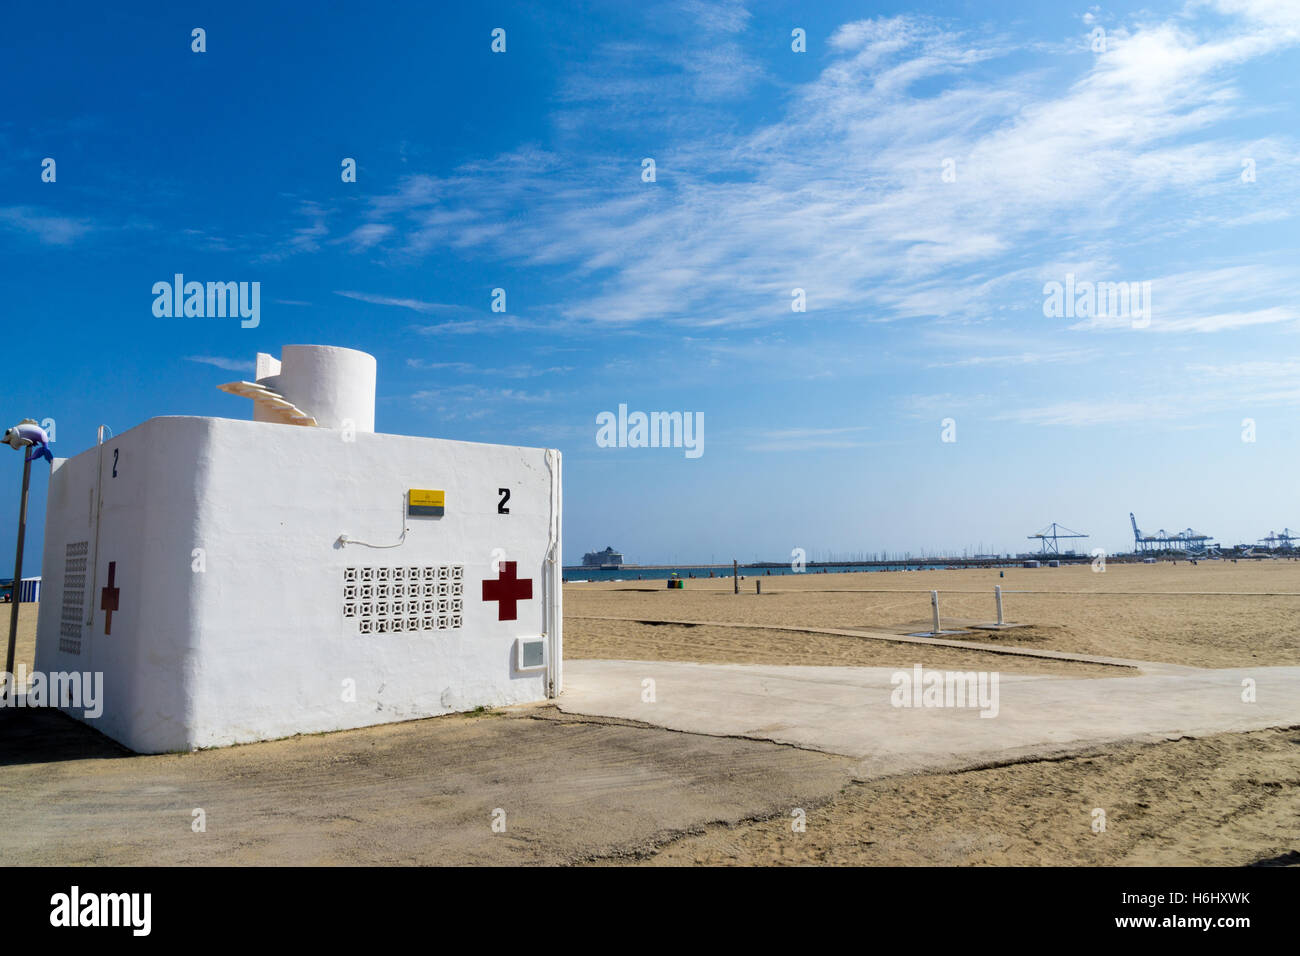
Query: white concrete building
[245,580]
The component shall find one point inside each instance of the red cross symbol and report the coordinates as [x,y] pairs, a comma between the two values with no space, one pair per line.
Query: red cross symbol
[508,590]
[108,600]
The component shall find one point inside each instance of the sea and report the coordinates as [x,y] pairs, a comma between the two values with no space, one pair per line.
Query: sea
[574,575]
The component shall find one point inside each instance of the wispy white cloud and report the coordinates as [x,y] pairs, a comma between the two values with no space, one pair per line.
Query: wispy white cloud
[471,321]
[415,305]
[1086,412]
[808,439]
[1177,396]
[1212,300]
[513,371]
[844,195]
[470,402]
[1072,356]
[230,365]
[690,53]
[1286,369]
[52,230]
[365,236]
[303,239]
[441,366]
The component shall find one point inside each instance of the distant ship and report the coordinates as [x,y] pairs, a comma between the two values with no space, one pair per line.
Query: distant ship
[609,558]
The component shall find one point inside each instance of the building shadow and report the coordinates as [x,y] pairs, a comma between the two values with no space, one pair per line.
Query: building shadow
[30,735]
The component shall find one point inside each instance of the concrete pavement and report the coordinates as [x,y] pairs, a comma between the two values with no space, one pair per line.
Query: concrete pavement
[848,710]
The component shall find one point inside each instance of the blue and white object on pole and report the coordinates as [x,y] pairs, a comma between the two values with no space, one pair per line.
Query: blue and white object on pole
[29,433]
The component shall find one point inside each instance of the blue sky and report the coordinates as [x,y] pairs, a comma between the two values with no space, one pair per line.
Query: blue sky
[1122,160]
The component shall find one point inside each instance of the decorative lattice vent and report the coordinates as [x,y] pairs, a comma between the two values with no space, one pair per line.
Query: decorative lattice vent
[74,597]
[395,600]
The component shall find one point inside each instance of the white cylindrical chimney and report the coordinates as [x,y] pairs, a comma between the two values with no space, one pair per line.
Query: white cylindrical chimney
[335,385]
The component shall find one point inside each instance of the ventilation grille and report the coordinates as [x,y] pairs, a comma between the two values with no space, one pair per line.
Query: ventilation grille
[396,600]
[74,597]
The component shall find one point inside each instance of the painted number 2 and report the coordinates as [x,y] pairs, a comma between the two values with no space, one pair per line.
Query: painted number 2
[505,497]
[115,462]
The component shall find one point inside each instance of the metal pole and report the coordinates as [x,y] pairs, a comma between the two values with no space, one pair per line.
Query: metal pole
[997,594]
[735,576]
[934,602]
[758,586]
[18,573]
[99,510]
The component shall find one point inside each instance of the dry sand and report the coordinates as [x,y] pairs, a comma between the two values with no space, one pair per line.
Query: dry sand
[25,647]
[1229,799]
[621,640]
[1139,611]
[1226,800]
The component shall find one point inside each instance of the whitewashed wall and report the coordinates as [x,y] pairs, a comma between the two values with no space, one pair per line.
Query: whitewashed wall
[256,645]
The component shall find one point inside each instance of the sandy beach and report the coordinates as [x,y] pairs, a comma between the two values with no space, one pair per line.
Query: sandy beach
[671,798]
[1226,800]
[1229,799]
[1212,614]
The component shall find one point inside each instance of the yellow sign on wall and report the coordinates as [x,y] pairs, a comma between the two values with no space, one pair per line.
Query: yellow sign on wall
[425,503]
